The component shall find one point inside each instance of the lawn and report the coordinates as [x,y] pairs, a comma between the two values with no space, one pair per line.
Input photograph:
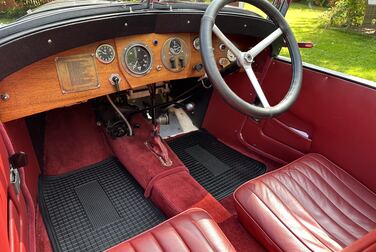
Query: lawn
[342,51]
[5,21]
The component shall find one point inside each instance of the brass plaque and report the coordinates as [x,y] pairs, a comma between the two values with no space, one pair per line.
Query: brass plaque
[77,73]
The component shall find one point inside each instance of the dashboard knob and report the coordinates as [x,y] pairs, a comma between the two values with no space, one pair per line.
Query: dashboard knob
[198,67]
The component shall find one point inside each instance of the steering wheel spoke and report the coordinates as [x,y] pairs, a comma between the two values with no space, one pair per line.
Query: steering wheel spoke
[256,50]
[227,42]
[245,59]
[256,85]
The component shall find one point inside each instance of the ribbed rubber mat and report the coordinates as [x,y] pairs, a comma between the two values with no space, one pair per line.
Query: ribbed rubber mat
[219,169]
[95,208]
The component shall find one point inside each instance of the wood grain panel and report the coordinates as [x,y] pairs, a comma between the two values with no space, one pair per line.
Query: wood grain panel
[154,75]
[36,88]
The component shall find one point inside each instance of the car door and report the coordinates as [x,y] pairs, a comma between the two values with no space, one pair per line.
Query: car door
[17,215]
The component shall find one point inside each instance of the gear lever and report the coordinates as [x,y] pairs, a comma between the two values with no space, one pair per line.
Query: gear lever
[155,142]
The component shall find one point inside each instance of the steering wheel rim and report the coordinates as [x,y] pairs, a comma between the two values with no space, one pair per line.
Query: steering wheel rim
[245,60]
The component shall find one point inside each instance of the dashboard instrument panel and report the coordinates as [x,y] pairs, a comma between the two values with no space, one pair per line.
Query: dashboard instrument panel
[137,59]
[175,54]
[105,53]
[83,73]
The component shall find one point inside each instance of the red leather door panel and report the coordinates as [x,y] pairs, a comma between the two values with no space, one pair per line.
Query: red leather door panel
[4,182]
[274,139]
[338,116]
[342,115]
[297,138]
[17,209]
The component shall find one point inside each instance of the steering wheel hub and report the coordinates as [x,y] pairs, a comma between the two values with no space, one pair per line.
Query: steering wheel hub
[248,58]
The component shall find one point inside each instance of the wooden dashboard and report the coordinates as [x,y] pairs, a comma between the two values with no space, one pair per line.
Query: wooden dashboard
[36,88]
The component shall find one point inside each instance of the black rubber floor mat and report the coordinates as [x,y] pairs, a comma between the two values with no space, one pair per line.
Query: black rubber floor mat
[95,208]
[218,168]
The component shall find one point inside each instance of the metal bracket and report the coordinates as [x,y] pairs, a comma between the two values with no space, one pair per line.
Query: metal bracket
[15,179]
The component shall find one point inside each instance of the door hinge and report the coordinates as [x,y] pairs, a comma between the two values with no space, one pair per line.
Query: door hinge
[16,161]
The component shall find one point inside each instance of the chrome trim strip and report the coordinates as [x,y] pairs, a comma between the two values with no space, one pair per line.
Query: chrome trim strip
[361,81]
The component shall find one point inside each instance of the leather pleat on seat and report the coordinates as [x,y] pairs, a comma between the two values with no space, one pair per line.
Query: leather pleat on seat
[308,205]
[192,230]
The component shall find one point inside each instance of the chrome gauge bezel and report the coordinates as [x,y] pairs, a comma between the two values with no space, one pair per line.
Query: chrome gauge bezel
[125,62]
[166,54]
[195,41]
[100,59]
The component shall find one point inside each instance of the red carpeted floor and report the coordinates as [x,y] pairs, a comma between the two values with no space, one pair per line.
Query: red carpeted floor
[235,232]
[73,140]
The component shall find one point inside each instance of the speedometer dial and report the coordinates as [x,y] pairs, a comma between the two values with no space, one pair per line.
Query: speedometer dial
[105,53]
[138,59]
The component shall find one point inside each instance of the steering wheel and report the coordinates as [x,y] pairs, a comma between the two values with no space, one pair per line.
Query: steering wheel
[245,60]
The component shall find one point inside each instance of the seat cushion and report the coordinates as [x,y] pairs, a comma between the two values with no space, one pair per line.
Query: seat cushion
[192,230]
[366,244]
[308,205]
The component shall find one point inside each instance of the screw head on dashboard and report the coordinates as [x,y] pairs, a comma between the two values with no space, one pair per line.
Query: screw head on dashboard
[4,97]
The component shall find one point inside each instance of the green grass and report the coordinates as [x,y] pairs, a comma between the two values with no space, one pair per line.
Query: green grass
[6,20]
[346,52]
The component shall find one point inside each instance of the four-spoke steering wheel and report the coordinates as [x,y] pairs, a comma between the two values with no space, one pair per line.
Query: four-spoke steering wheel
[245,60]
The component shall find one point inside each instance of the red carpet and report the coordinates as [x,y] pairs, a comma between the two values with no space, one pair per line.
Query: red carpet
[173,193]
[73,140]
[235,232]
[136,156]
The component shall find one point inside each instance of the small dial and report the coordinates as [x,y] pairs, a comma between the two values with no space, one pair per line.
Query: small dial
[175,54]
[138,59]
[175,46]
[231,57]
[196,44]
[105,53]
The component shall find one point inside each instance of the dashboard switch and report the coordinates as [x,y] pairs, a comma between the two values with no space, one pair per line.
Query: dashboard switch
[173,62]
[181,62]
[198,67]
[115,81]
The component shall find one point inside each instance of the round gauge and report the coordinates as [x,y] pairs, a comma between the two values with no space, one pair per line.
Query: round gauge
[231,57]
[105,53]
[196,44]
[138,59]
[175,46]
[175,54]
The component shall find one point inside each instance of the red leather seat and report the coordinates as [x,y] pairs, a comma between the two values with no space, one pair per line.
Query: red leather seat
[192,230]
[308,205]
